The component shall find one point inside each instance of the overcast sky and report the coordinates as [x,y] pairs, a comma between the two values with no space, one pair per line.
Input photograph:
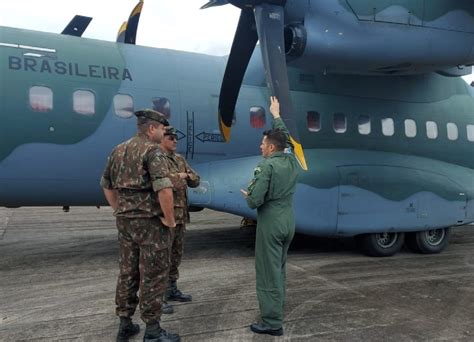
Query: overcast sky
[173,24]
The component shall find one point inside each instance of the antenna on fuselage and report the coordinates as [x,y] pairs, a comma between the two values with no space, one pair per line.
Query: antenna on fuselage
[77,26]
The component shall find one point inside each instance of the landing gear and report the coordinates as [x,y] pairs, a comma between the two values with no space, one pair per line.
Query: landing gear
[429,241]
[380,244]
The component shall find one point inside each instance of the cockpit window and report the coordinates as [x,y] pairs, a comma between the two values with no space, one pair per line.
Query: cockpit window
[41,99]
[257,117]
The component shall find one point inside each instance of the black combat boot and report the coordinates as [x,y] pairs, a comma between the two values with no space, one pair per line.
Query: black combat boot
[173,293]
[154,333]
[167,308]
[265,329]
[127,329]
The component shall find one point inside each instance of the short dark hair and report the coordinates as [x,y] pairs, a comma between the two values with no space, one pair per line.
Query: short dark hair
[143,123]
[276,137]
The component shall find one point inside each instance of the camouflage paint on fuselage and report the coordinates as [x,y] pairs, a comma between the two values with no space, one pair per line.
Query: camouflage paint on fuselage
[414,12]
[99,68]
[346,170]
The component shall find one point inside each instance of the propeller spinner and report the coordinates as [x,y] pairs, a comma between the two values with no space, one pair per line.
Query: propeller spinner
[262,21]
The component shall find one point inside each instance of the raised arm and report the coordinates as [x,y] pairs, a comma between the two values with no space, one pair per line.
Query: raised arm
[277,122]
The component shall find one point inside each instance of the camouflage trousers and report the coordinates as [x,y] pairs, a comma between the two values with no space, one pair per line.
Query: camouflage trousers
[144,264]
[176,250]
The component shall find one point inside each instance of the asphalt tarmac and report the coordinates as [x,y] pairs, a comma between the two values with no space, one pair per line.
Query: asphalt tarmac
[58,274]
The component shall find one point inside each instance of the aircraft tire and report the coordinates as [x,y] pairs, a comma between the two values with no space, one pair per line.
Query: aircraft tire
[429,241]
[380,244]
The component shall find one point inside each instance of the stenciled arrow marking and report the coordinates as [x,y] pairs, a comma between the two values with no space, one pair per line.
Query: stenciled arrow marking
[180,135]
[210,137]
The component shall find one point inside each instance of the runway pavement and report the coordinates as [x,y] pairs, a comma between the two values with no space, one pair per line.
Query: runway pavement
[58,273]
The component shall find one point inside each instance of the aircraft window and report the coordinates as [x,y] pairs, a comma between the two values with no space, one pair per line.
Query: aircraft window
[41,99]
[388,127]
[470,132]
[364,125]
[83,102]
[340,123]
[257,117]
[431,130]
[313,120]
[123,105]
[162,105]
[410,128]
[452,131]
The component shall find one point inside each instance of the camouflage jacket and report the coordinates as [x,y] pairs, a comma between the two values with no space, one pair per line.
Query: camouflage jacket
[137,169]
[177,164]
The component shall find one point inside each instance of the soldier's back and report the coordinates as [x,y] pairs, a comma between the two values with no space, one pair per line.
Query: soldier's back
[130,177]
[284,175]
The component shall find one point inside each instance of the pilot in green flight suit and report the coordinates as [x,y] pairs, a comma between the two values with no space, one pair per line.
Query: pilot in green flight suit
[271,192]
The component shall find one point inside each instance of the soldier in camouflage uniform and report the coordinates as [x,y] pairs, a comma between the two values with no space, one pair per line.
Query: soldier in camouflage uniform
[137,186]
[271,193]
[182,176]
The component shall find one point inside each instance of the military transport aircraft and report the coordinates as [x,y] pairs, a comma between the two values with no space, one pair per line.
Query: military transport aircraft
[370,90]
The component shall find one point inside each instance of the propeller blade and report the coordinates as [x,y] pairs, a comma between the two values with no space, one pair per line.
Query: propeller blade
[270,25]
[132,24]
[121,33]
[213,3]
[243,46]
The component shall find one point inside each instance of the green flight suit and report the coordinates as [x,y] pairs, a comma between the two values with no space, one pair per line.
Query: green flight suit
[271,192]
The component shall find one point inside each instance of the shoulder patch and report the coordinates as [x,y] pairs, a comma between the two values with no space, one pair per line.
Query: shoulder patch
[257,170]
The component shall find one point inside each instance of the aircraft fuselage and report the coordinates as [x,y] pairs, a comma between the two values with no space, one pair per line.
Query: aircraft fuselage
[384,153]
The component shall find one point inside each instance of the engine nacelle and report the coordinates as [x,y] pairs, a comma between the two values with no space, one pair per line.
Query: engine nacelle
[332,37]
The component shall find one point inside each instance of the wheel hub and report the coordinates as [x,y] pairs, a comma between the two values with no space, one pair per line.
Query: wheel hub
[386,240]
[435,236]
